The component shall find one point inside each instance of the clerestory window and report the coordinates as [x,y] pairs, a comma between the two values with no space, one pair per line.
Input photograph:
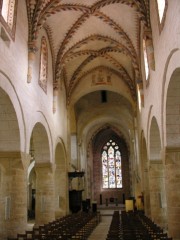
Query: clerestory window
[111,166]
[43,65]
[8,15]
[146,64]
[139,98]
[161,8]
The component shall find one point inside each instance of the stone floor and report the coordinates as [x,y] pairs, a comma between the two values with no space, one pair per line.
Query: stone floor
[101,231]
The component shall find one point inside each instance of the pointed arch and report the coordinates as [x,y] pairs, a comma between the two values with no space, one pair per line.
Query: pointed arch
[111,165]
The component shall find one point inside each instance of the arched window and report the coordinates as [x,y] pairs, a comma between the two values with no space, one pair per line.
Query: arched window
[111,166]
[146,65]
[43,64]
[161,8]
[8,15]
[139,98]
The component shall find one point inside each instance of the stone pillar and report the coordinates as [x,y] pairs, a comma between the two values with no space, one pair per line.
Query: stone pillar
[172,164]
[157,193]
[61,190]
[14,193]
[44,207]
[147,206]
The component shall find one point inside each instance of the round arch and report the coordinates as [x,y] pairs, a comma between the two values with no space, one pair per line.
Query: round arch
[61,180]
[156,176]
[172,110]
[155,141]
[171,122]
[12,116]
[171,65]
[12,148]
[40,127]
[40,144]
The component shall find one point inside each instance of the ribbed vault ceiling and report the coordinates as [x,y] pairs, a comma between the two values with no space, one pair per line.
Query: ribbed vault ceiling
[87,35]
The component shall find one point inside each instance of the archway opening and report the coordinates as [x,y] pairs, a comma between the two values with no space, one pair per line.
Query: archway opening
[12,189]
[61,181]
[111,179]
[40,160]
[156,177]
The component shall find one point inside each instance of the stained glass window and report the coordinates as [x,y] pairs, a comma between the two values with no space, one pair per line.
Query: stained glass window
[111,166]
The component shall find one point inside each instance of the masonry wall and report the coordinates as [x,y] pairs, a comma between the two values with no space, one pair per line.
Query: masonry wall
[36,105]
[166,42]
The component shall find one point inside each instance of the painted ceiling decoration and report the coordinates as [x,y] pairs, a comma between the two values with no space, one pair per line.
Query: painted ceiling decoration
[88,34]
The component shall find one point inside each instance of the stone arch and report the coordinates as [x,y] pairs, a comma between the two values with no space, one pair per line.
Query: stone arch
[12,161]
[172,63]
[9,129]
[156,176]
[12,111]
[172,157]
[172,110]
[43,171]
[155,141]
[61,180]
[144,175]
[41,144]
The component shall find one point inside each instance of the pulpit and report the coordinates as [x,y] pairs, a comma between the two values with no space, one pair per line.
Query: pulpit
[75,195]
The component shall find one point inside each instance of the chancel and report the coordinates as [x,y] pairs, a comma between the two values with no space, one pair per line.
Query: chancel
[89,119]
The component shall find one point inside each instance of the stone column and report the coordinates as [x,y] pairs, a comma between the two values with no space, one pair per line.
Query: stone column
[146,194]
[14,193]
[44,207]
[172,164]
[157,193]
[61,190]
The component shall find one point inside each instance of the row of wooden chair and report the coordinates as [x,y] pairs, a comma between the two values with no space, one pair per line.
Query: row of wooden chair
[74,226]
[134,226]
[113,232]
[153,229]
